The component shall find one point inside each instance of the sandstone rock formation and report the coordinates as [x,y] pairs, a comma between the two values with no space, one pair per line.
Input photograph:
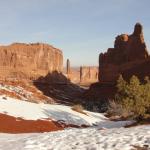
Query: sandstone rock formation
[68,67]
[88,74]
[29,61]
[82,75]
[128,57]
[128,52]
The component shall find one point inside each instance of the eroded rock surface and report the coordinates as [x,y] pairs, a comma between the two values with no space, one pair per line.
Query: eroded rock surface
[29,61]
[88,74]
[128,57]
[128,52]
[84,75]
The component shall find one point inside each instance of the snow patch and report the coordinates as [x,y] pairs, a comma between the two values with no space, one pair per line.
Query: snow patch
[79,139]
[33,111]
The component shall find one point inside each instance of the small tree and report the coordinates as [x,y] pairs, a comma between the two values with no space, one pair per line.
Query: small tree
[134,96]
[146,94]
[122,87]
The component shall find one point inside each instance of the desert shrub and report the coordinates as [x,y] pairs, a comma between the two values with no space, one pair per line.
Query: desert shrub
[133,97]
[96,106]
[78,108]
[116,109]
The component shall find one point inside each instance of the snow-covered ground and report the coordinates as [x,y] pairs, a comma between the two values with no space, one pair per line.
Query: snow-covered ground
[79,139]
[102,134]
[25,92]
[34,111]
[18,90]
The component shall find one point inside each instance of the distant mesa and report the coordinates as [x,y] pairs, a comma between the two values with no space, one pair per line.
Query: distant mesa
[29,61]
[88,74]
[84,75]
[41,62]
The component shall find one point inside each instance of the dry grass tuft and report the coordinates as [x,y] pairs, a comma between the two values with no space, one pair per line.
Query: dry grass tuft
[79,108]
[145,147]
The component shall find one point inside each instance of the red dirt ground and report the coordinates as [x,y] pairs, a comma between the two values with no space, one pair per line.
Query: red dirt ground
[26,85]
[10,94]
[10,124]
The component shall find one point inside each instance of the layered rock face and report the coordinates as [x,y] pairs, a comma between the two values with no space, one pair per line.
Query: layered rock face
[129,52]
[83,75]
[88,74]
[29,61]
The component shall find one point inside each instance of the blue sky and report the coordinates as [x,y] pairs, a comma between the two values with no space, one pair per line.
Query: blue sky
[81,28]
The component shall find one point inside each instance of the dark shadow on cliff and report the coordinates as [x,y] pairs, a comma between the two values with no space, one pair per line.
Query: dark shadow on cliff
[57,86]
[99,94]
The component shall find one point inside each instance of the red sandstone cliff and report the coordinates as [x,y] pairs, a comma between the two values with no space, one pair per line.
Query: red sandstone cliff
[129,52]
[29,60]
[128,57]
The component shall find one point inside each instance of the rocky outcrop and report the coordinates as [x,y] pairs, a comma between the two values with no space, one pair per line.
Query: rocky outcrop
[68,67]
[128,57]
[29,61]
[84,75]
[128,52]
[88,74]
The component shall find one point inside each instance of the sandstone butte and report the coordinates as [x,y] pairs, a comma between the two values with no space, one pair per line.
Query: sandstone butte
[128,57]
[29,61]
